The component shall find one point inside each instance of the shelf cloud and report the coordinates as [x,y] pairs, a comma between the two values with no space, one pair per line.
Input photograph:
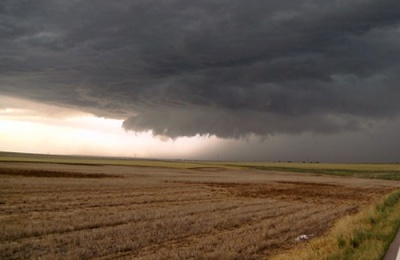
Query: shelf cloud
[224,68]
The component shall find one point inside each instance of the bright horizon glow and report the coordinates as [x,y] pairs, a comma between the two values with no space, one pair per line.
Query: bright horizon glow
[33,127]
[27,126]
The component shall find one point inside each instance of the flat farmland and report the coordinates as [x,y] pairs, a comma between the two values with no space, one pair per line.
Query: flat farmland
[122,212]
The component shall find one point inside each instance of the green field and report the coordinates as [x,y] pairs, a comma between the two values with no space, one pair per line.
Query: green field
[370,170]
[374,171]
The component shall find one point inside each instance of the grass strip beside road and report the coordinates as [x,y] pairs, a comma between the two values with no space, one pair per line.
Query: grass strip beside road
[366,235]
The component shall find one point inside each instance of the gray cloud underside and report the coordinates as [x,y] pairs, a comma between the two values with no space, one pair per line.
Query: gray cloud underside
[225,68]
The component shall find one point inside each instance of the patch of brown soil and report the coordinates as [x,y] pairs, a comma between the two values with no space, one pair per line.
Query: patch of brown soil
[208,169]
[53,174]
[305,192]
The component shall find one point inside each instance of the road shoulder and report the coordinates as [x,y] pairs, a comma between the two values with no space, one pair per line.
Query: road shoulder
[393,251]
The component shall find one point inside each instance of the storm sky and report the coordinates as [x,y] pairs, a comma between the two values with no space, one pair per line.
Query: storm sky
[271,80]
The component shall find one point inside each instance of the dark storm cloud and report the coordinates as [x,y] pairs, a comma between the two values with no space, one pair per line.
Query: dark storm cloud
[225,68]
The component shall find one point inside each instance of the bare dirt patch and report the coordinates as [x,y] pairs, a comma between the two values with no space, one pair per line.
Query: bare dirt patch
[52,174]
[208,169]
[307,192]
[154,213]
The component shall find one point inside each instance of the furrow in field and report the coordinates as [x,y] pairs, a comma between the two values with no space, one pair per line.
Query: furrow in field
[13,206]
[30,226]
[226,223]
[151,227]
[257,238]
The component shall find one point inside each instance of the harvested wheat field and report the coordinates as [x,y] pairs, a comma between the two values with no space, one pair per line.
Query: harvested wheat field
[111,212]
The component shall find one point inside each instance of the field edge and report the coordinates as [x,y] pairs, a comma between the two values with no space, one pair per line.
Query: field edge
[365,235]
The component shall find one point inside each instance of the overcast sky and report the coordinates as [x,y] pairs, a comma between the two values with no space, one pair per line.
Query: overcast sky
[247,80]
